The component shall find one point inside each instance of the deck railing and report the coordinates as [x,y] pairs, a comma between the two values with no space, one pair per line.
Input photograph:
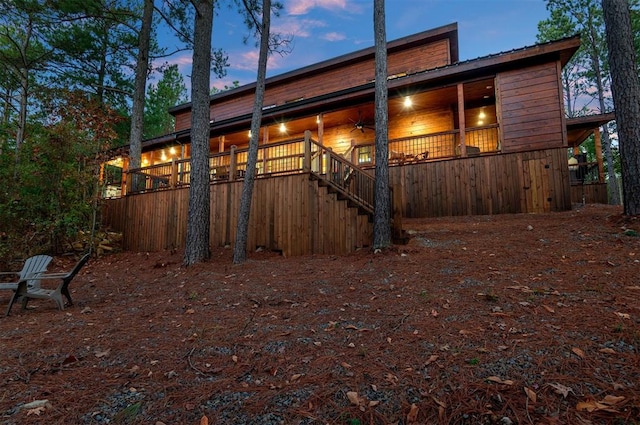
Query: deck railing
[441,145]
[341,174]
[584,173]
[288,157]
[275,159]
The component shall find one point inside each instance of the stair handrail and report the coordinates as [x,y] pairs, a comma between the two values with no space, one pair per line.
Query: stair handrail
[341,174]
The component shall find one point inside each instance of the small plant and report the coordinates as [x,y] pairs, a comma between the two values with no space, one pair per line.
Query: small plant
[619,328]
[474,361]
[491,297]
[193,295]
[631,232]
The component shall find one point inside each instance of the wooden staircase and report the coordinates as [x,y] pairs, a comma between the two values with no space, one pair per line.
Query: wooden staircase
[340,176]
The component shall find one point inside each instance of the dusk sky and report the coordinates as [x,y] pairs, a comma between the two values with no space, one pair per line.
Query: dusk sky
[323,29]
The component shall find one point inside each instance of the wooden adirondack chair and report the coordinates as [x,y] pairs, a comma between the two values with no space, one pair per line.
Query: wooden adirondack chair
[32,265]
[56,294]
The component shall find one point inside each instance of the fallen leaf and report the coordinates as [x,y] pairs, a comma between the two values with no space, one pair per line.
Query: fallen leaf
[434,312]
[530,394]
[431,359]
[204,421]
[412,416]
[353,397]
[623,315]
[190,311]
[234,358]
[499,380]
[612,399]
[35,404]
[104,353]
[390,377]
[345,365]
[439,403]
[70,359]
[351,327]
[37,411]
[561,389]
[549,309]
[607,350]
[578,352]
[295,377]
[389,339]
[606,404]
[374,403]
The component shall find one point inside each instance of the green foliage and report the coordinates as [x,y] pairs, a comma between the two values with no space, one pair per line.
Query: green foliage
[52,197]
[170,91]
[234,85]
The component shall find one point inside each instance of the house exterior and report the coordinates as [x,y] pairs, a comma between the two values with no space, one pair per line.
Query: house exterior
[484,136]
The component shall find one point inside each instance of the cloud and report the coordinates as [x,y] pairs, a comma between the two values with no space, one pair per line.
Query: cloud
[296,27]
[334,36]
[248,61]
[301,7]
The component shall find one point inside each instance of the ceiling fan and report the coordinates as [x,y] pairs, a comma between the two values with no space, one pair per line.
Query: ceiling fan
[361,124]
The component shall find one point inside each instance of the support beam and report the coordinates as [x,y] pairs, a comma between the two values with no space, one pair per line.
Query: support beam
[598,145]
[461,120]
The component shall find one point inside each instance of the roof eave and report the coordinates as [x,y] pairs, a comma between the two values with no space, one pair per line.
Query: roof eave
[449,31]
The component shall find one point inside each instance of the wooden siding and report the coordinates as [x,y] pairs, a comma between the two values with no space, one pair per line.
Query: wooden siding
[530,108]
[595,193]
[338,78]
[292,214]
[524,182]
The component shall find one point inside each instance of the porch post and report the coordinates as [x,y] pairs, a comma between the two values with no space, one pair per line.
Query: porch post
[174,173]
[461,120]
[327,163]
[232,163]
[306,164]
[354,153]
[125,173]
[265,142]
[598,146]
[221,143]
[320,128]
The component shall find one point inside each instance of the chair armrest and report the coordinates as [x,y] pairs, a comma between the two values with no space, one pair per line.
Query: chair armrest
[8,273]
[46,276]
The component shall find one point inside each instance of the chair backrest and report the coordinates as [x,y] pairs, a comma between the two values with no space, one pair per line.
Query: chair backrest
[35,264]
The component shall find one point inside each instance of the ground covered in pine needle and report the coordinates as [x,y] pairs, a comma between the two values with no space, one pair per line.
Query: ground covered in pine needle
[508,319]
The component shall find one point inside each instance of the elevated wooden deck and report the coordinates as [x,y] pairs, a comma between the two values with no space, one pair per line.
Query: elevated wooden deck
[311,200]
[293,214]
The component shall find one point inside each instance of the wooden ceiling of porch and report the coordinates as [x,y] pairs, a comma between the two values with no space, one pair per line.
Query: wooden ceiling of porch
[476,94]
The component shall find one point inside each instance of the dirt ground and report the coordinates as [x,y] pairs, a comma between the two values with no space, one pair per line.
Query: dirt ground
[510,319]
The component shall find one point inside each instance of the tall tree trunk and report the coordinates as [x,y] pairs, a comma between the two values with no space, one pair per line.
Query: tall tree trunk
[142,70]
[614,190]
[242,228]
[625,86]
[382,208]
[23,76]
[198,220]
[102,68]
